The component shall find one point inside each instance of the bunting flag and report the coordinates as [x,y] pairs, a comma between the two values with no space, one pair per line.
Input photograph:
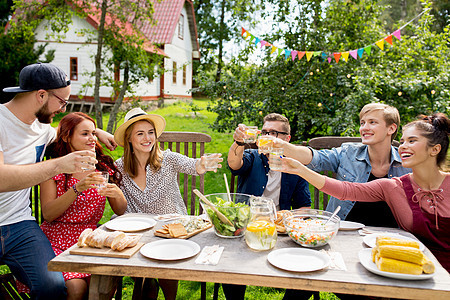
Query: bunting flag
[380,44]
[356,53]
[325,56]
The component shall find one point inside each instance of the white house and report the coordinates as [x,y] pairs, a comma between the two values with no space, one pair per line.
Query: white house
[176,32]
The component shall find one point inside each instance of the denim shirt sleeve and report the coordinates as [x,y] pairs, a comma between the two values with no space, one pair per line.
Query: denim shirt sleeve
[325,160]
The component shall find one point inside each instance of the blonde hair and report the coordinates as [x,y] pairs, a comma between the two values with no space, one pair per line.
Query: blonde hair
[390,114]
[130,163]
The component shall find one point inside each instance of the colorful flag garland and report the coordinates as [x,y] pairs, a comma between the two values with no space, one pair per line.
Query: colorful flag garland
[356,53]
[293,54]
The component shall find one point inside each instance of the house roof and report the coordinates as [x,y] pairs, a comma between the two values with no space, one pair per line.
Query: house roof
[167,13]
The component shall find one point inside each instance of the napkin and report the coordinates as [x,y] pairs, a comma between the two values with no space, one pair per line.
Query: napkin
[210,255]
[336,260]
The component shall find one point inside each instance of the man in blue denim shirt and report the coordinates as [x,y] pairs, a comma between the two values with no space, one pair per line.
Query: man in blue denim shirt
[255,178]
[355,162]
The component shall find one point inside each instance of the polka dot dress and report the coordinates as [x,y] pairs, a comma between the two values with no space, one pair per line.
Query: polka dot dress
[85,212]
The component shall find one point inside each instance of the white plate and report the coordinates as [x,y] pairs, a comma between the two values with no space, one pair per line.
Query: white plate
[130,224]
[298,259]
[170,249]
[365,257]
[348,225]
[371,239]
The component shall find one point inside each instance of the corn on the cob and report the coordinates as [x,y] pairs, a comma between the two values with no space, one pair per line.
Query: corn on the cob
[374,253]
[407,254]
[427,265]
[387,240]
[398,266]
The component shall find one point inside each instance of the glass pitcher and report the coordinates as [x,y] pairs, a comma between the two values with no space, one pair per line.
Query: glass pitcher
[261,233]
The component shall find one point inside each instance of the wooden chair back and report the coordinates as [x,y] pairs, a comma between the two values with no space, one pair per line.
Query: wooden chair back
[191,144]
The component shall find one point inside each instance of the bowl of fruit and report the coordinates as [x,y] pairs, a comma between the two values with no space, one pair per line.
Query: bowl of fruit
[229,216]
[311,227]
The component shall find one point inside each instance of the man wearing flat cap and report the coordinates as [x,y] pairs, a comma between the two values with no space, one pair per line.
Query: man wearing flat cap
[42,93]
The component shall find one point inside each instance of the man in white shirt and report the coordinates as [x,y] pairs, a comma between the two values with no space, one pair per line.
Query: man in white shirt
[24,134]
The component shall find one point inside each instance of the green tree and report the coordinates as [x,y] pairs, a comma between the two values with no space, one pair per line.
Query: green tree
[322,98]
[17,46]
[216,23]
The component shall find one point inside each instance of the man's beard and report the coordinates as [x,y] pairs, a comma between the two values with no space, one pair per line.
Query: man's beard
[43,115]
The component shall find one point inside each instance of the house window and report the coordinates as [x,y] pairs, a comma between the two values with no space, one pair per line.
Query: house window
[74,68]
[181,27]
[174,72]
[184,75]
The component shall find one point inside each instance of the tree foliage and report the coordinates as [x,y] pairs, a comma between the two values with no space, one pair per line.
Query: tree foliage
[324,99]
[216,23]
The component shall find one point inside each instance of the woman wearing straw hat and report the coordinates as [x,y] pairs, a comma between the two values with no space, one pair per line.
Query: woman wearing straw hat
[149,180]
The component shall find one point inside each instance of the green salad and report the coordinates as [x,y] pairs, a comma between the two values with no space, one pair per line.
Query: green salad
[237,213]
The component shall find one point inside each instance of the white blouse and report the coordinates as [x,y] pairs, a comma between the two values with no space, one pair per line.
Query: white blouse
[162,193]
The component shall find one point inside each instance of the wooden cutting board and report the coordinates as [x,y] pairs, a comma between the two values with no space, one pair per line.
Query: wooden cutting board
[166,235]
[106,252]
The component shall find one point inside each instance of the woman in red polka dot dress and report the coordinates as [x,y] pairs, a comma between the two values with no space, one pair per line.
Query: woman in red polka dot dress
[72,203]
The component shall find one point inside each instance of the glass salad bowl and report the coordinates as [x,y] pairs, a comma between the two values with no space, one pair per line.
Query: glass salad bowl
[228,216]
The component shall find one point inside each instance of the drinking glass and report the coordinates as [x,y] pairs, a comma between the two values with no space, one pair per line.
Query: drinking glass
[251,133]
[275,158]
[265,144]
[89,166]
[105,176]
[211,161]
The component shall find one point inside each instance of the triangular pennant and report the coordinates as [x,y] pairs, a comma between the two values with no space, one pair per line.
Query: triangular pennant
[324,56]
[360,52]
[337,55]
[380,44]
[345,56]
[354,54]
[263,43]
[279,51]
[388,39]
[329,60]
[287,53]
[273,49]
[309,54]
[301,54]
[397,34]
[243,31]
[247,34]
[257,41]
[367,49]
[317,53]
[293,54]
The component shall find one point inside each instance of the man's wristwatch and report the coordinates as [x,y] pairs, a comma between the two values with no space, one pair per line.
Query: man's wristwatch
[239,143]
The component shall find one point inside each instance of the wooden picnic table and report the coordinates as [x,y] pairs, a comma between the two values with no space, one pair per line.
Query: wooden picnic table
[241,265]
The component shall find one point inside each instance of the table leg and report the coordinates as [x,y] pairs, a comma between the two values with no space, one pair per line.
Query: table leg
[102,287]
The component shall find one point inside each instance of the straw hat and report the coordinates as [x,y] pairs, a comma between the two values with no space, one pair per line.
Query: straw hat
[134,115]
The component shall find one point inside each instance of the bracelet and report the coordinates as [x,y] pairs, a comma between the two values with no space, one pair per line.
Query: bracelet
[239,143]
[75,190]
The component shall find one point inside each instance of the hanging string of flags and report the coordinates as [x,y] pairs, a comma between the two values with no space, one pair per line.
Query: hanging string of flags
[295,54]
[355,53]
